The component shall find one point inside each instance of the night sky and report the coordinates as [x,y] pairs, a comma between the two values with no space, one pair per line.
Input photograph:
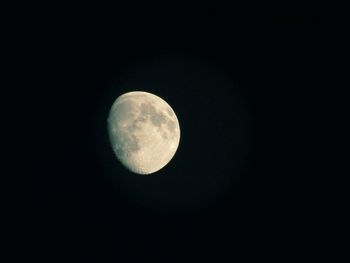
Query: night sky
[261,165]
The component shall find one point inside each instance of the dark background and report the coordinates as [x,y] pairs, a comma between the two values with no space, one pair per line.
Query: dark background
[261,99]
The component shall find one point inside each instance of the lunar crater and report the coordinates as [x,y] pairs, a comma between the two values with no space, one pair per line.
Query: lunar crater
[126,144]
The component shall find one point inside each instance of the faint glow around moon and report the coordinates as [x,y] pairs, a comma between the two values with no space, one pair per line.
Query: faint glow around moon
[144,131]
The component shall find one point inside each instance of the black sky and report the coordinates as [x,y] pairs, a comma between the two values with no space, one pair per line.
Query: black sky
[260,96]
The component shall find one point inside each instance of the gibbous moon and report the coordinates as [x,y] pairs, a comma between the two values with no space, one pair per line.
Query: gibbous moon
[144,131]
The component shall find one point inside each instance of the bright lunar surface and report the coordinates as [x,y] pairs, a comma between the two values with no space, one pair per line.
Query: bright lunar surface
[144,131]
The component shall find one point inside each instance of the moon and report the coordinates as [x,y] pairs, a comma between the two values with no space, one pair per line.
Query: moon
[144,131]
